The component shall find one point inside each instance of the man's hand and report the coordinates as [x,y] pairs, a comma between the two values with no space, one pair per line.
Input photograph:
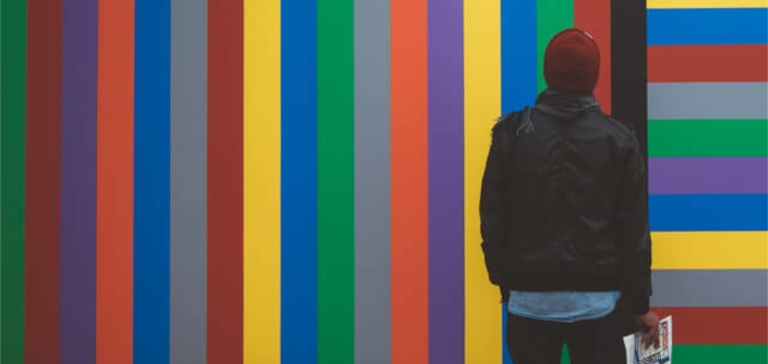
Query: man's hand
[649,325]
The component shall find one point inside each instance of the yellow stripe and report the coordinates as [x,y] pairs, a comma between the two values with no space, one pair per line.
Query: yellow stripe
[482,98]
[710,250]
[683,4]
[261,245]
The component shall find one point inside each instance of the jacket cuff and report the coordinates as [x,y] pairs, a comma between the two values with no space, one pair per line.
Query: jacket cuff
[640,305]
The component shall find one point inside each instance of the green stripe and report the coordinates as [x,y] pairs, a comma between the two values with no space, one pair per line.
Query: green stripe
[13,27]
[708,138]
[335,183]
[714,354]
[552,16]
[717,354]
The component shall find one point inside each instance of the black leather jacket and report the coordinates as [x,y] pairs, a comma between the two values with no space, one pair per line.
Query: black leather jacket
[564,203]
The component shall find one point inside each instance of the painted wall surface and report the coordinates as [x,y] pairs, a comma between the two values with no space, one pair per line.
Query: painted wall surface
[297,181]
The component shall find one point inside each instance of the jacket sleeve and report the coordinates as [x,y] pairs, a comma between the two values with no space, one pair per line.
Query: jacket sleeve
[634,243]
[494,210]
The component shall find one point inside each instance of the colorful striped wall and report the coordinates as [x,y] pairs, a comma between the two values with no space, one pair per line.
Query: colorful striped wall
[297,181]
[707,148]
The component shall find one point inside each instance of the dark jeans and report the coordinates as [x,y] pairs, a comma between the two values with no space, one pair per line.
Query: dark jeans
[589,342]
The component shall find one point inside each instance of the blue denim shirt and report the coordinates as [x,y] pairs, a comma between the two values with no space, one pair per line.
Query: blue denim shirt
[562,306]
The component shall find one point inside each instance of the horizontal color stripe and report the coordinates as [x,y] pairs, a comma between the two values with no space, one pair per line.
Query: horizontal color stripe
[718,354]
[717,325]
[705,250]
[681,4]
[708,63]
[707,138]
[708,212]
[707,26]
[710,288]
[707,175]
[727,100]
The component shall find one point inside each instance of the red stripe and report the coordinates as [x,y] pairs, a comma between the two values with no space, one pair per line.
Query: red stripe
[709,63]
[410,326]
[42,212]
[114,218]
[717,325]
[225,182]
[594,16]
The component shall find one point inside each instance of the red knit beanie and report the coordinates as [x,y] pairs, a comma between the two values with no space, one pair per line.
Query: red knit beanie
[572,62]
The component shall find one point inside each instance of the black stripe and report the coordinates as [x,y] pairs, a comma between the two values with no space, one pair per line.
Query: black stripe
[629,74]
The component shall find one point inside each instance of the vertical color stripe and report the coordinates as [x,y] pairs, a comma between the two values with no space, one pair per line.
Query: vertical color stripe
[188,182]
[335,183]
[151,182]
[446,184]
[114,224]
[298,325]
[552,16]
[261,171]
[629,93]
[482,105]
[43,204]
[372,183]
[225,182]
[518,77]
[410,309]
[13,25]
[78,182]
[518,54]
[594,16]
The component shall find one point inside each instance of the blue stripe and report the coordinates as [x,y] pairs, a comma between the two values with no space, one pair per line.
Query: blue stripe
[709,212]
[518,80]
[707,26]
[506,359]
[518,54]
[151,182]
[299,182]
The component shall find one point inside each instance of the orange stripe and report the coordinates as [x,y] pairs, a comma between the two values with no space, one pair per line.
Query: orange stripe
[410,338]
[594,16]
[114,229]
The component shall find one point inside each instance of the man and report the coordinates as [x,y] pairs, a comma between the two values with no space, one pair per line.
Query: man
[564,219]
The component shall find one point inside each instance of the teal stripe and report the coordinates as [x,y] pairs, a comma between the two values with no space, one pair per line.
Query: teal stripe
[552,16]
[335,245]
[13,89]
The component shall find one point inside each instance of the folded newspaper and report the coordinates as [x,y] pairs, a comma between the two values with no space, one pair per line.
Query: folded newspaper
[638,353]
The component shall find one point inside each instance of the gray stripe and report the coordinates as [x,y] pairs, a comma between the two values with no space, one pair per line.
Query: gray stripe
[188,181]
[372,196]
[702,100]
[709,288]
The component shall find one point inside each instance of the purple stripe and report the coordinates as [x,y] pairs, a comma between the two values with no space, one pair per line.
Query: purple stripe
[78,183]
[707,175]
[446,181]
